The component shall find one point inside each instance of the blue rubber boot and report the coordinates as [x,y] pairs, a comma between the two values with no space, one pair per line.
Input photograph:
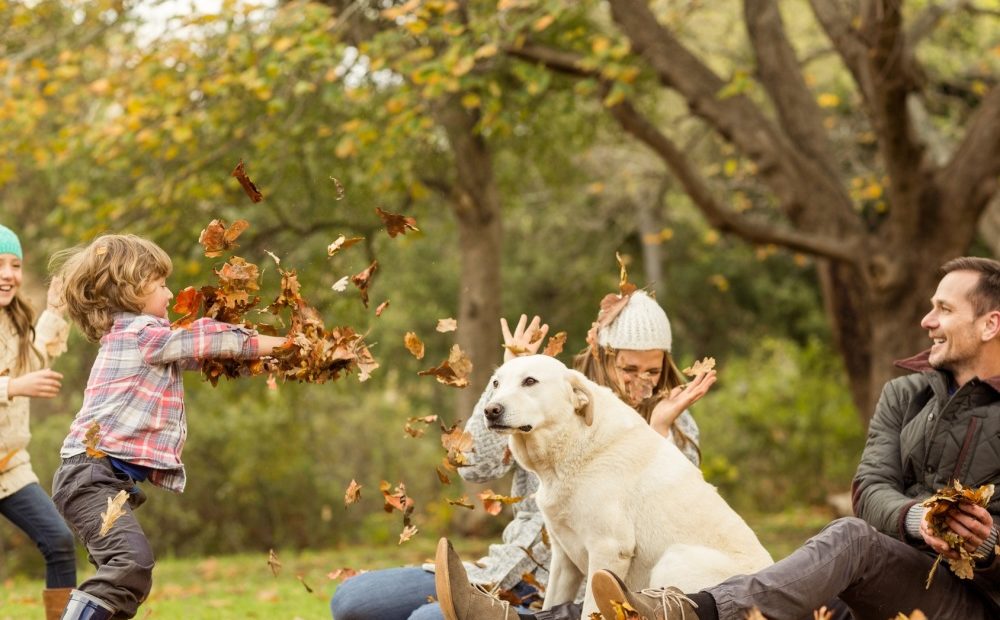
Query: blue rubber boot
[83,606]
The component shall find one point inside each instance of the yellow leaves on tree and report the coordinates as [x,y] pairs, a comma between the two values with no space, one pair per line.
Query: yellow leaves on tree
[454,371]
[941,505]
[115,511]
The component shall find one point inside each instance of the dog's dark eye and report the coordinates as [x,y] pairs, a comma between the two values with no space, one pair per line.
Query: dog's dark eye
[496,383]
[529,381]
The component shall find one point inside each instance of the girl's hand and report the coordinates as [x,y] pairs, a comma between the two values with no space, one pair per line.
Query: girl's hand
[54,299]
[43,383]
[679,399]
[524,340]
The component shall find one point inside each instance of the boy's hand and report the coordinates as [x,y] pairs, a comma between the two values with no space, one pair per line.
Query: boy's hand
[43,383]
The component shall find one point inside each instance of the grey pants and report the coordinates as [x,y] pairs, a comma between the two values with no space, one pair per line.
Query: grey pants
[876,575]
[123,557]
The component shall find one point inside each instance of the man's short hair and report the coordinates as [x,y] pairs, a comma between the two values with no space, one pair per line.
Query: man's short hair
[985,297]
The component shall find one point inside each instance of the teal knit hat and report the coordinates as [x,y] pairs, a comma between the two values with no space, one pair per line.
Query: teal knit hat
[9,243]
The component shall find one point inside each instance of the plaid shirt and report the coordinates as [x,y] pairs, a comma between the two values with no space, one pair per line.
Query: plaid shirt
[136,394]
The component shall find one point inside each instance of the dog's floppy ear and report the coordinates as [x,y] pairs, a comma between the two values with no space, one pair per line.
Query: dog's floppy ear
[582,398]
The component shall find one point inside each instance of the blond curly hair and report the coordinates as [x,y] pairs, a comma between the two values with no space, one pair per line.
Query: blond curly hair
[109,275]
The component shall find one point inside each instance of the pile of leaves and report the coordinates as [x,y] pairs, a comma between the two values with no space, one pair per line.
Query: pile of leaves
[941,506]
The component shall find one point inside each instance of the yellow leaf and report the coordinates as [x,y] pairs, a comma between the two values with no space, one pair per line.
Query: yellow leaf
[600,44]
[486,51]
[345,148]
[463,66]
[711,237]
[719,281]
[417,26]
[828,100]
[543,22]
[471,101]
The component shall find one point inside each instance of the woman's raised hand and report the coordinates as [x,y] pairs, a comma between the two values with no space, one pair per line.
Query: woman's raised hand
[44,383]
[679,399]
[526,338]
[54,301]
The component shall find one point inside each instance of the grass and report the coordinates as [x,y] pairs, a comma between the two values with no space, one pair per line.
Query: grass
[243,586]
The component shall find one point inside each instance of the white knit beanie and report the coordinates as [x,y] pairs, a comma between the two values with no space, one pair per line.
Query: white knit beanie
[641,326]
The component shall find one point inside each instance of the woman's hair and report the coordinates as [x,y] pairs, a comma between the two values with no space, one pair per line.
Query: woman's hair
[112,274]
[23,318]
[600,368]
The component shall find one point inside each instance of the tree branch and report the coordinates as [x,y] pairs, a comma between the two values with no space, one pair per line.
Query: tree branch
[853,51]
[721,217]
[970,178]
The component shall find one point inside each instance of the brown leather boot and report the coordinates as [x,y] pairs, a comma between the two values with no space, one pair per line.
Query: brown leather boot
[459,599]
[55,600]
[650,604]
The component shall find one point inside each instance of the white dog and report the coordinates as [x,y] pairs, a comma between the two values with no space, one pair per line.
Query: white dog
[614,494]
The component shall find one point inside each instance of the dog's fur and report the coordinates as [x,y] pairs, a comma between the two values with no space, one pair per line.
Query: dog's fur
[614,494]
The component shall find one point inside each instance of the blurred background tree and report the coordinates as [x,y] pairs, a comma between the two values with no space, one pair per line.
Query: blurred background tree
[508,130]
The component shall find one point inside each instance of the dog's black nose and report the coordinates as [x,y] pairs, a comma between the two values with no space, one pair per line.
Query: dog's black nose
[493,412]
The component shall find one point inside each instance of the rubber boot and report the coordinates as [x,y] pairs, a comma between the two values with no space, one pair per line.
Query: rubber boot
[55,600]
[83,606]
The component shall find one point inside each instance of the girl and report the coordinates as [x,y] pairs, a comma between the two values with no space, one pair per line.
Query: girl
[26,348]
[633,358]
[131,427]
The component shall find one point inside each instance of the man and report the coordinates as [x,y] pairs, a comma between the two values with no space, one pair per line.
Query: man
[939,424]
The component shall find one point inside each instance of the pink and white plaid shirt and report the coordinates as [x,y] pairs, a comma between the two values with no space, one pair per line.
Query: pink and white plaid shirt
[136,394]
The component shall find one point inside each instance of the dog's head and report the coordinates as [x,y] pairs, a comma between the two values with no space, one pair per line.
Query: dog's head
[536,391]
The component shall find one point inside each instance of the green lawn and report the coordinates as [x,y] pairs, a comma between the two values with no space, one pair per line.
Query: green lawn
[243,586]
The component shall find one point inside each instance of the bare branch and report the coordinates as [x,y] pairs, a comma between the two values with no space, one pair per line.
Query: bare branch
[721,217]
[853,51]
[970,178]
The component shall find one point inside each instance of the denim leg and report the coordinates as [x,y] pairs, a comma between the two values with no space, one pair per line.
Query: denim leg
[31,510]
[123,557]
[874,574]
[390,594]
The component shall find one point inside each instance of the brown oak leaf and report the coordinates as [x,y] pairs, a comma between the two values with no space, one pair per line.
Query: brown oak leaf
[396,224]
[217,238]
[248,186]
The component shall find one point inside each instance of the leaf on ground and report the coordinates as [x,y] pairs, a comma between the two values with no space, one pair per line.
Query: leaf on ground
[114,512]
[248,186]
[362,280]
[216,238]
[352,494]
[555,344]
[414,345]
[454,371]
[447,325]
[701,366]
[493,503]
[90,441]
[396,224]
[273,562]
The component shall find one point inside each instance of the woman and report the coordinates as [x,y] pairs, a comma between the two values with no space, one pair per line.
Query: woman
[25,351]
[630,354]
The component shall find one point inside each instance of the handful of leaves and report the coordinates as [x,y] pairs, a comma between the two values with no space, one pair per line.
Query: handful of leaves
[941,505]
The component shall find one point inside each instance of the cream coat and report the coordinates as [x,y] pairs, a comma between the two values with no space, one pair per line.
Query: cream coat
[614,494]
[51,333]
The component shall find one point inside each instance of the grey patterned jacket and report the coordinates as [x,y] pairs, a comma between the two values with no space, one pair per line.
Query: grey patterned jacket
[508,561]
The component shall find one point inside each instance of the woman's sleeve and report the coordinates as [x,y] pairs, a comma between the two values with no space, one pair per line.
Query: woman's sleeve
[691,449]
[489,458]
[51,335]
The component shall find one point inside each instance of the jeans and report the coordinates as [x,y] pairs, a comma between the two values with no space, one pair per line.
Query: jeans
[123,557]
[33,512]
[876,575]
[397,594]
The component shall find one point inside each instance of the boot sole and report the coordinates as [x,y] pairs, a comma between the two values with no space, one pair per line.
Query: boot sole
[442,581]
[607,587]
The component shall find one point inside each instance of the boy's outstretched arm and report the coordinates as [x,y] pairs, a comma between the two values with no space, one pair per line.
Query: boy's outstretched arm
[267,344]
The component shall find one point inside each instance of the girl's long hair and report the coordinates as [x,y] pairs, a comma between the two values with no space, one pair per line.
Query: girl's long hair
[23,319]
[600,368]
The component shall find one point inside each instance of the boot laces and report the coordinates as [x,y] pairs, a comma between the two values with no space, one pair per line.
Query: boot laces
[494,598]
[671,600]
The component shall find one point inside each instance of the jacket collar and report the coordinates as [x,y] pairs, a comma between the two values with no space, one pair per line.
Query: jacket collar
[920,363]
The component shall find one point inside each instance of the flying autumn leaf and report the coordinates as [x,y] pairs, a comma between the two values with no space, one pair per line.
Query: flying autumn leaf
[274,257]
[342,243]
[493,503]
[187,305]
[340,189]
[341,573]
[462,502]
[413,431]
[457,442]
[442,474]
[353,493]
[341,285]
[363,281]
[381,308]
[625,287]
[217,238]
[396,224]
[273,563]
[114,512]
[91,440]
[248,186]
[7,457]
[941,504]
[701,366]
[397,500]
[555,344]
[304,584]
[447,325]
[407,533]
[454,371]
[414,345]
